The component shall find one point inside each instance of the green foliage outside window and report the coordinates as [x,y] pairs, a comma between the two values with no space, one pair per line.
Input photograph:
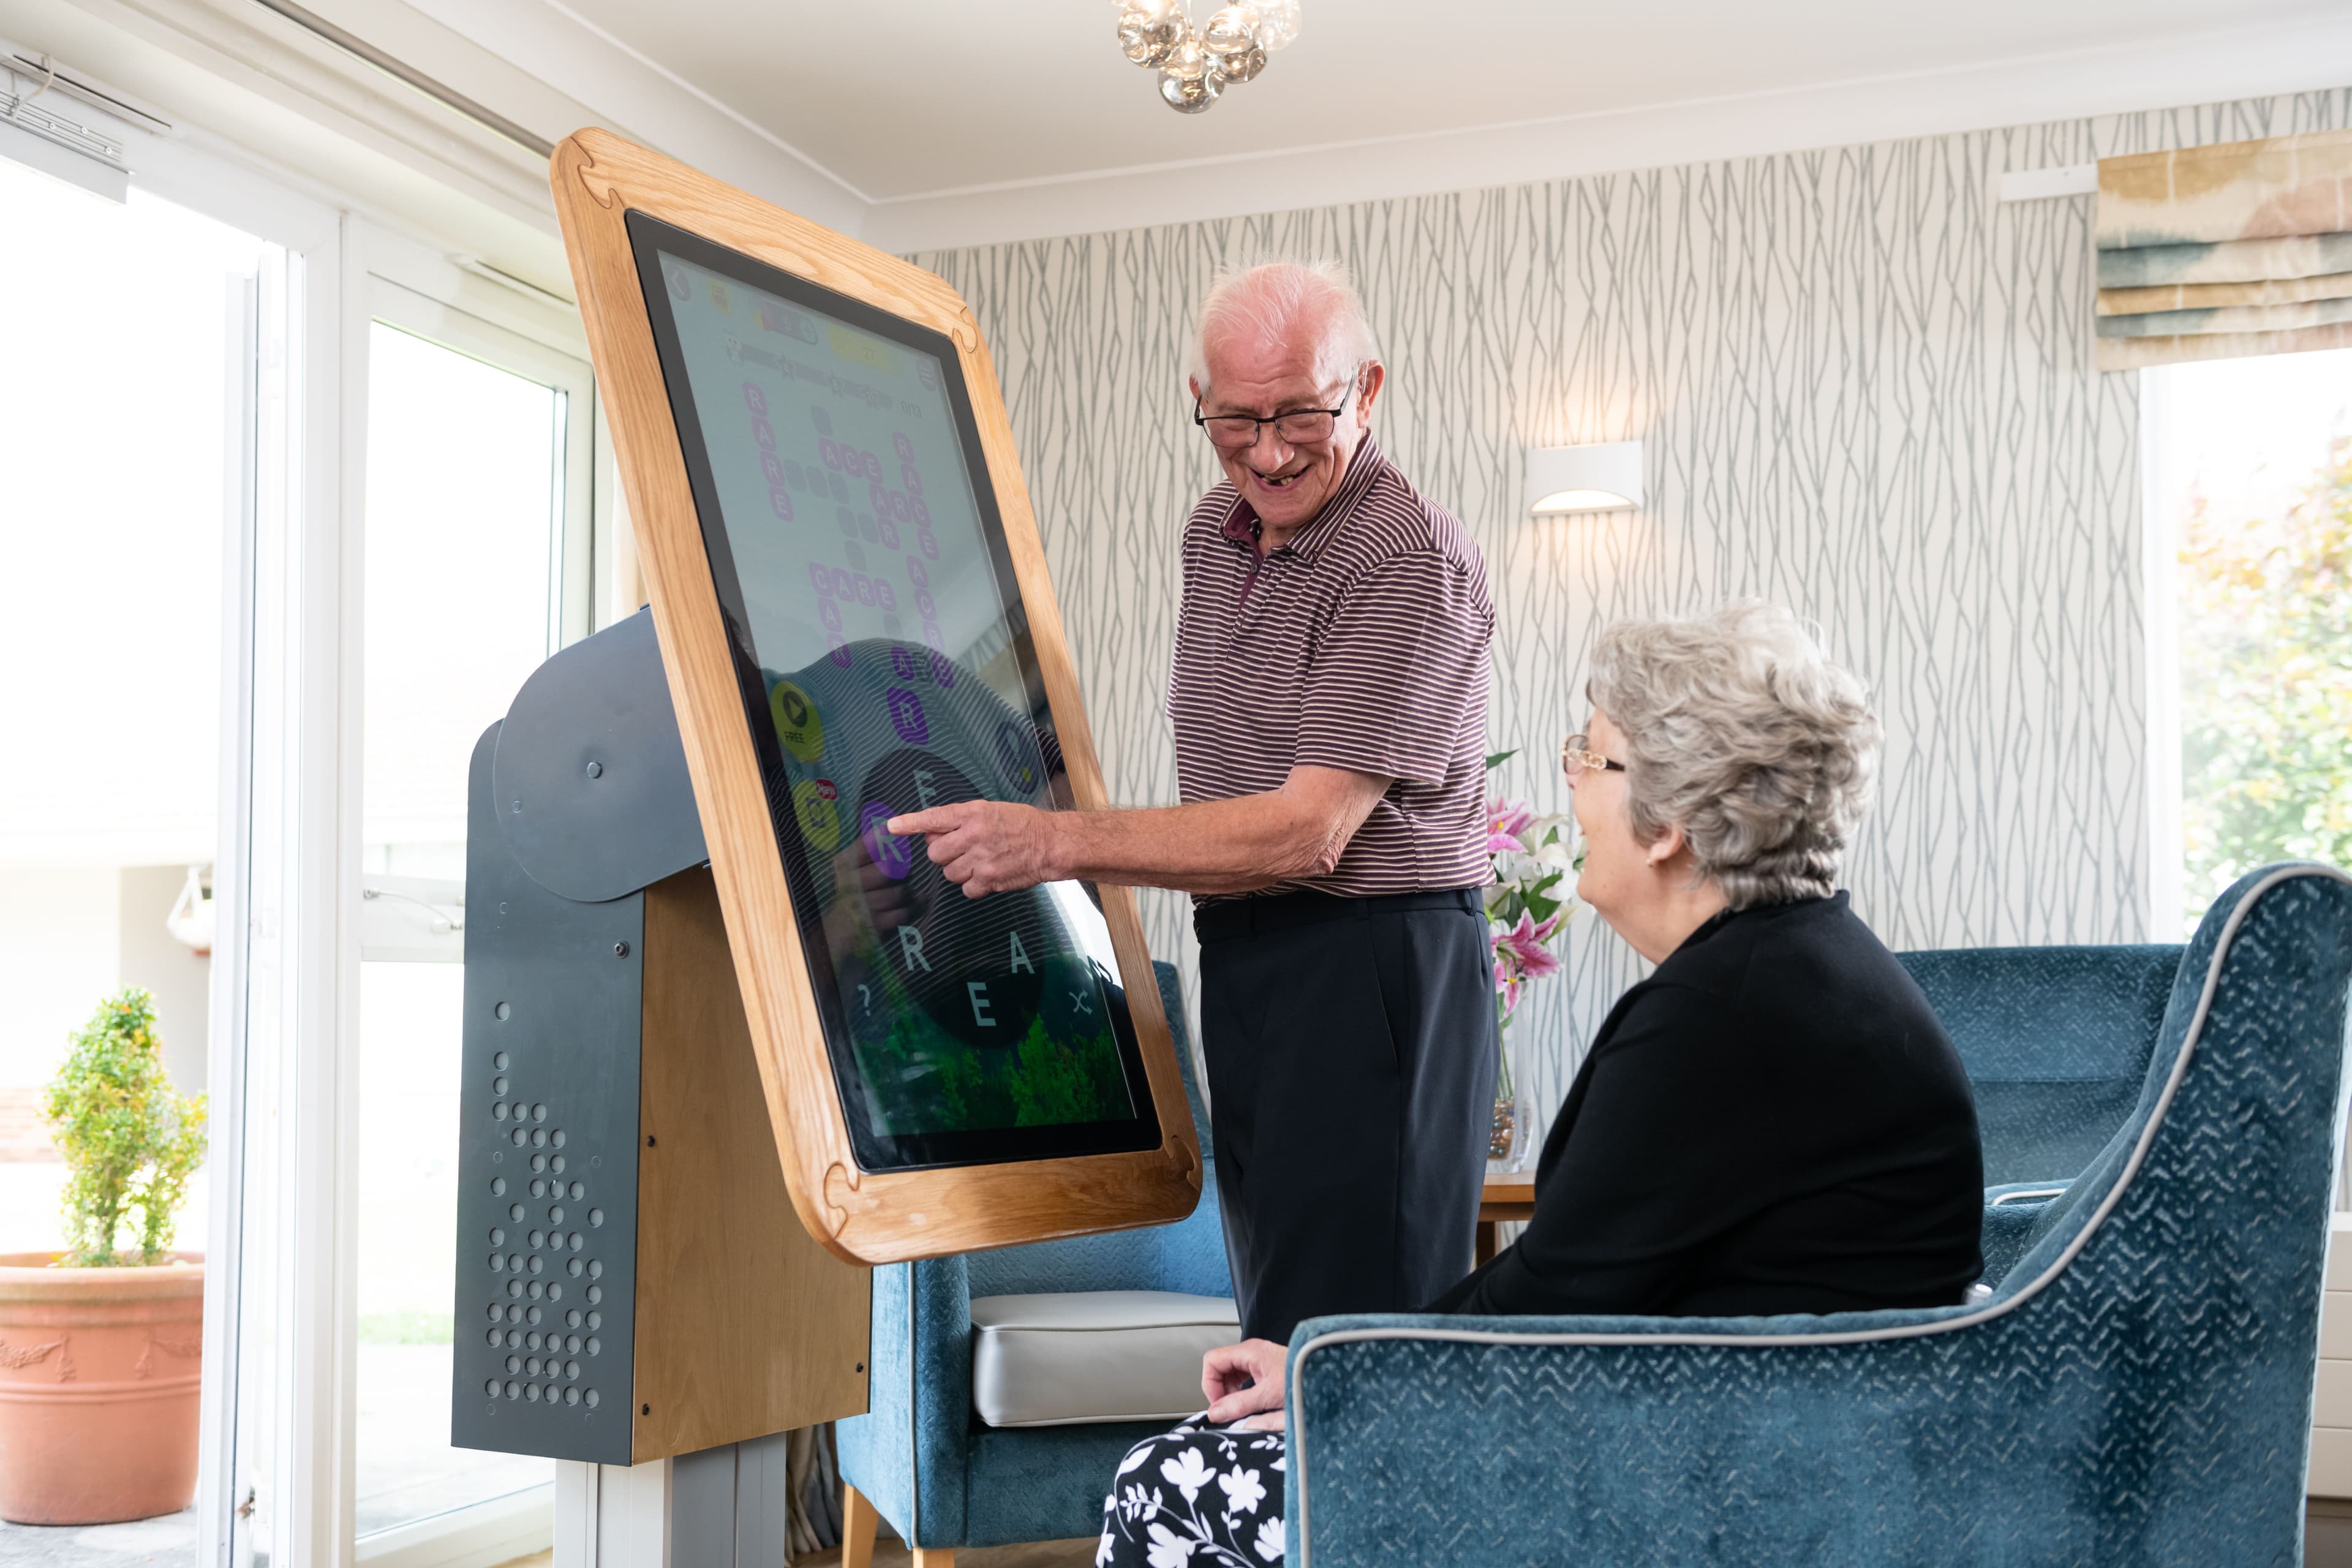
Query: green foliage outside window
[2266,682]
[130,1139]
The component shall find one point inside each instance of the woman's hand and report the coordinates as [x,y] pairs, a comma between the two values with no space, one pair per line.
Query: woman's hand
[1244,1380]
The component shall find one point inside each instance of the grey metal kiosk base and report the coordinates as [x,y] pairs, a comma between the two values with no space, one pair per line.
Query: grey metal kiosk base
[632,1285]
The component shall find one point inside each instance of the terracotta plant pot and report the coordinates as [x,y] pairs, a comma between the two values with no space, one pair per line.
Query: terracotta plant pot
[98,1372]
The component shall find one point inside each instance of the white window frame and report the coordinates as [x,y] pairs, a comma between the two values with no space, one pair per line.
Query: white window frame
[287,937]
[411,291]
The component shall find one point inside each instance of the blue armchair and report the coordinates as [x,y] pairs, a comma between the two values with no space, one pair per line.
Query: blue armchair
[923,1460]
[2137,1388]
[2056,1063]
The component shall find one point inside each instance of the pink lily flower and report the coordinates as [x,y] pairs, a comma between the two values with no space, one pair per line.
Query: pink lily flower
[1506,820]
[1525,943]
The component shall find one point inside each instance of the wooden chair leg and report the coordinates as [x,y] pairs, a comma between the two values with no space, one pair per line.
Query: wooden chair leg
[858,1523]
[934,1557]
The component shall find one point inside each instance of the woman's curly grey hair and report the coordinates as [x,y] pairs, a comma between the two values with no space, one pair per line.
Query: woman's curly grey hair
[1742,732]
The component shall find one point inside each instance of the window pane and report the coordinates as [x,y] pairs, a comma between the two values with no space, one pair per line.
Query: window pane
[463,499]
[2256,464]
[115,420]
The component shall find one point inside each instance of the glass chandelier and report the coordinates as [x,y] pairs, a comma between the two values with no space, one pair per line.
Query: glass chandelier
[1195,67]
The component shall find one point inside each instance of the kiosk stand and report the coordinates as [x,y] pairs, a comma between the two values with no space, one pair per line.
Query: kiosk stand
[633,1282]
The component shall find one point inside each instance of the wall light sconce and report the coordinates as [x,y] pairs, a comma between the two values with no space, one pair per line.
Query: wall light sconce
[1605,477]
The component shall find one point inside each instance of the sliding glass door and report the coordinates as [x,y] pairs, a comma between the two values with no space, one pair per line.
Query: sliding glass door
[476,567]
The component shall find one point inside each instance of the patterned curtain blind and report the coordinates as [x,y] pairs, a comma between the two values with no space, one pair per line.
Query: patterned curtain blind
[2244,247]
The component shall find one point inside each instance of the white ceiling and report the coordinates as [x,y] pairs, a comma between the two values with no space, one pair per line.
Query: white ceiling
[902,100]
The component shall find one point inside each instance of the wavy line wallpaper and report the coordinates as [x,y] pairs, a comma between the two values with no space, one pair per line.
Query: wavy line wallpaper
[1867,389]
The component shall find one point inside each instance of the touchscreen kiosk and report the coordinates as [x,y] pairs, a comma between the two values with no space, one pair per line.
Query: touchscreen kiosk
[855,622]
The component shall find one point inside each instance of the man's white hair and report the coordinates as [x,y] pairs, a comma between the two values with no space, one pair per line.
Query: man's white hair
[1273,302]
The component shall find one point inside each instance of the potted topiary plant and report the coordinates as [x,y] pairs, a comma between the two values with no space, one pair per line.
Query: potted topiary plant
[102,1344]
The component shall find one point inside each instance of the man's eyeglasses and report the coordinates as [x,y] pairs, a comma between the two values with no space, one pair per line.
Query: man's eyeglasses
[1575,757]
[1296,426]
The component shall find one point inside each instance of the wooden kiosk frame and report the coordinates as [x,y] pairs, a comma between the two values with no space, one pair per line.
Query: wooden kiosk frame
[862,1217]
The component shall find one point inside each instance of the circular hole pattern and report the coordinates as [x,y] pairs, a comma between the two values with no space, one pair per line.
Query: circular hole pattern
[514,1364]
[531,1316]
[534,1285]
[531,1390]
[514,1314]
[497,1086]
[539,1112]
[596,1216]
[498,1262]
[496,1337]
[579,1190]
[595,1320]
[577,1241]
[498,1236]
[514,1213]
[537,1188]
[499,1061]
[497,1186]
[496,1313]
[595,1294]
[530,1367]
[538,1238]
[537,1162]
[491,1388]
[596,1345]
[595,1271]
[555,1212]
[533,1264]
[502,1013]
[556,1138]
[499,1111]
[520,1137]
[555,1290]
[514,1287]
[557,1164]
[513,1389]
[571,1396]
[514,1339]
[572,1369]
[539,1138]
[573,1267]
[590,1397]
[572,1319]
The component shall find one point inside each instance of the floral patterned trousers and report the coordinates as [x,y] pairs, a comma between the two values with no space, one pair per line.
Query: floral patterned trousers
[1198,1497]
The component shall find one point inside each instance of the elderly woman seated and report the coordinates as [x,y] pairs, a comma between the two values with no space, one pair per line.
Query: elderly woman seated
[1773,1121]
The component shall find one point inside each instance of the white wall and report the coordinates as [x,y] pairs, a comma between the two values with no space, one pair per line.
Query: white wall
[1866,390]
[59,929]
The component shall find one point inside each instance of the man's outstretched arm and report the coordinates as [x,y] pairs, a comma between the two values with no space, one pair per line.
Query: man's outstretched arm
[1212,847]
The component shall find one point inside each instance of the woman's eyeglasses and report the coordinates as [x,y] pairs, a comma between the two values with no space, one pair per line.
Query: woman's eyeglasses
[1576,757]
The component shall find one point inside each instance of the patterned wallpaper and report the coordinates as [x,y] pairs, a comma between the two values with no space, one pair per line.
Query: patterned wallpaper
[1867,389]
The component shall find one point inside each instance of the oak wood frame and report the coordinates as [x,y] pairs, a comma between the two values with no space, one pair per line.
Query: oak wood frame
[744,1325]
[866,1217]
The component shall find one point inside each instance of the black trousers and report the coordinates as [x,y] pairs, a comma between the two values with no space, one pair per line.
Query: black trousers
[1351,1047]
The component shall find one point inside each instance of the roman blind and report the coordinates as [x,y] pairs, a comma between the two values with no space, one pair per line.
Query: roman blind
[2242,247]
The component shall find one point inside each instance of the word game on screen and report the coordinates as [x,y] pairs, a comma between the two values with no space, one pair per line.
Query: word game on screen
[888,666]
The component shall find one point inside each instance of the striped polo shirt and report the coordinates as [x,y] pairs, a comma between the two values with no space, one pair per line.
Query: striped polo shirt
[1361,644]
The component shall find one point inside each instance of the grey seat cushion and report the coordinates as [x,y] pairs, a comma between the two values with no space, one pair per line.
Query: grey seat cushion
[1079,1356]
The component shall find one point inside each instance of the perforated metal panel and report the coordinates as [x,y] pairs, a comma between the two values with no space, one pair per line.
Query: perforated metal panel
[547,1206]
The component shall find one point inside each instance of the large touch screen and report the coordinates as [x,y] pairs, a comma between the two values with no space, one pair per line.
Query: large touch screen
[887,667]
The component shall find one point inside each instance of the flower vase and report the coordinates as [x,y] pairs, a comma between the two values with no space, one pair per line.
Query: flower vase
[1503,1142]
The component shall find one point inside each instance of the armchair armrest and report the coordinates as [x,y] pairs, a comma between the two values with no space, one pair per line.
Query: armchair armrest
[1608,1439]
[907,1453]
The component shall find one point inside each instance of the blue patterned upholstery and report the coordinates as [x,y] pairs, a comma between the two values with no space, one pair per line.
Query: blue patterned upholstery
[2055,1041]
[940,1477]
[2139,1390]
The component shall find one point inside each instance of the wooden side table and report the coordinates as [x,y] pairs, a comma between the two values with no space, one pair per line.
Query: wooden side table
[1505,1197]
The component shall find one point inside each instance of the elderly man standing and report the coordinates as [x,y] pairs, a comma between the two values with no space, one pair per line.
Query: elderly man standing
[1328,697]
